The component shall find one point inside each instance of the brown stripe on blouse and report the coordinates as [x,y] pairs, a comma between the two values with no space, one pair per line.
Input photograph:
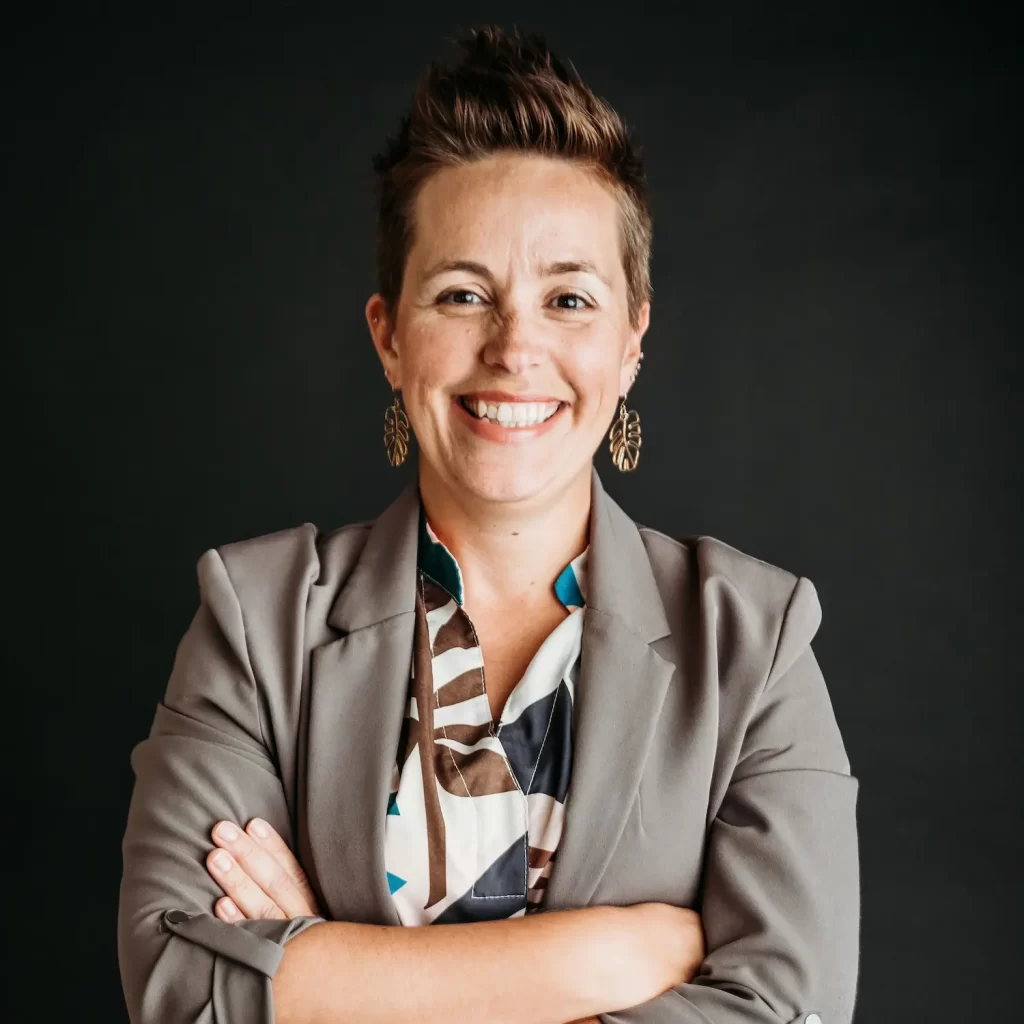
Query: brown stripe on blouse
[465,686]
[480,773]
[456,632]
[423,689]
[539,857]
[434,595]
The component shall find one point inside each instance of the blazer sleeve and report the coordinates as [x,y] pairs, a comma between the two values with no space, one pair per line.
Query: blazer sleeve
[205,759]
[781,883]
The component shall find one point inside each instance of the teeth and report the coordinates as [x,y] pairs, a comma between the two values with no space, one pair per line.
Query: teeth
[512,414]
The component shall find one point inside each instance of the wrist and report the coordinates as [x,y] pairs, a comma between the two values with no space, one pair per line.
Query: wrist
[619,972]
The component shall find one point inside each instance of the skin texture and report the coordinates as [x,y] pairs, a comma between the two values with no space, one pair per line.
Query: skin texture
[513,287]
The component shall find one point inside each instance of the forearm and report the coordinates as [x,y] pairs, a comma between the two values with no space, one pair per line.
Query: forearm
[543,969]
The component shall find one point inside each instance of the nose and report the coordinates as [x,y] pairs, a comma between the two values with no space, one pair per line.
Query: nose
[512,345]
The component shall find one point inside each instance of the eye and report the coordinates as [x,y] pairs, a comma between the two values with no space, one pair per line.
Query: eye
[462,301]
[577,300]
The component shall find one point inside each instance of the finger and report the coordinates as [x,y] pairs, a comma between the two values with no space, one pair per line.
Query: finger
[250,898]
[267,836]
[262,868]
[226,909]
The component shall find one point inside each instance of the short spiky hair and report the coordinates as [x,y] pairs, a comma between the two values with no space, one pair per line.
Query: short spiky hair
[508,92]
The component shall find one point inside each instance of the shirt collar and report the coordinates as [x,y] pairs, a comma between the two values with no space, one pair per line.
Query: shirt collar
[437,562]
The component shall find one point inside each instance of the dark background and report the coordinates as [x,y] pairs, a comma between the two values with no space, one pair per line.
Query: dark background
[831,384]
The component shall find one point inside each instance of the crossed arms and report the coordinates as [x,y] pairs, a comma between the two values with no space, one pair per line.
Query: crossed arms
[205,761]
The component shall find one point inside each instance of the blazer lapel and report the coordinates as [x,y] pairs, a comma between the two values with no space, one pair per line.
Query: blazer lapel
[358,690]
[619,693]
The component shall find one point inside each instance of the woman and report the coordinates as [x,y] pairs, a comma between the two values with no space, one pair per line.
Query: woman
[651,759]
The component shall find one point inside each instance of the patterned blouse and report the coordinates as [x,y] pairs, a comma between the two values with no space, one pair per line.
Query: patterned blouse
[475,810]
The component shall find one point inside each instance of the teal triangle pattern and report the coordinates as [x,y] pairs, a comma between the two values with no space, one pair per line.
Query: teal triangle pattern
[394,883]
[567,588]
[393,804]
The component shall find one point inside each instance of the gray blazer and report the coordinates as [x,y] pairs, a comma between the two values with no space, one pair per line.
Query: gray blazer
[708,768]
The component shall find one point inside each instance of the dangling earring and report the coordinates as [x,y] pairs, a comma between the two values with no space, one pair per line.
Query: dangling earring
[624,437]
[396,432]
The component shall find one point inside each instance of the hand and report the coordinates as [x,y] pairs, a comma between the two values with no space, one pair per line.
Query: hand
[262,878]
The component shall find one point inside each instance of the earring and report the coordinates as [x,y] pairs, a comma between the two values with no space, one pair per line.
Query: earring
[624,438]
[396,432]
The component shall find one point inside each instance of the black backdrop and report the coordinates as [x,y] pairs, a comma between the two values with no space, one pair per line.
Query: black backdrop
[830,384]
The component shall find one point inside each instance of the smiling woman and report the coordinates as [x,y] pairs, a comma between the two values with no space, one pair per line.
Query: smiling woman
[600,763]
[514,294]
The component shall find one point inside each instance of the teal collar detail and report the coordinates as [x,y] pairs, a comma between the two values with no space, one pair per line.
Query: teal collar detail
[438,563]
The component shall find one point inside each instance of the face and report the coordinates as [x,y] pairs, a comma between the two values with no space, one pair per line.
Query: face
[511,341]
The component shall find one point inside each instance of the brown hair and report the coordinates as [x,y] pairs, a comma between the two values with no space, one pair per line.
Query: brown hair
[508,91]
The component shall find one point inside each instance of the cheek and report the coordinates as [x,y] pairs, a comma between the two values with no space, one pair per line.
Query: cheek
[593,370]
[432,359]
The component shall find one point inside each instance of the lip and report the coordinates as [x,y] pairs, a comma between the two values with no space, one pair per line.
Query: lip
[506,435]
[507,396]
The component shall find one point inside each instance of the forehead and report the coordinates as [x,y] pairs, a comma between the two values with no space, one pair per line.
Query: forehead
[519,208]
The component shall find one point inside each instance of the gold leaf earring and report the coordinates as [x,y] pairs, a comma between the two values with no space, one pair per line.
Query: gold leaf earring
[624,438]
[396,432]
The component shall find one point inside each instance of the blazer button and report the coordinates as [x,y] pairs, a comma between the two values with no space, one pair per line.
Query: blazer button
[179,916]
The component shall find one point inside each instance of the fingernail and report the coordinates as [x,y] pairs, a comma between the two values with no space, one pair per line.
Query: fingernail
[229,910]
[260,827]
[227,832]
[221,861]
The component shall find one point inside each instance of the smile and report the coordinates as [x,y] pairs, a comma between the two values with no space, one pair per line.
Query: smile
[509,414]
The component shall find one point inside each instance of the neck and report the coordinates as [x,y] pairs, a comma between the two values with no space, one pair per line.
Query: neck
[509,551]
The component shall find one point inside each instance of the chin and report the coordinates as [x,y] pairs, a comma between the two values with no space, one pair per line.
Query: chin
[511,483]
[502,488]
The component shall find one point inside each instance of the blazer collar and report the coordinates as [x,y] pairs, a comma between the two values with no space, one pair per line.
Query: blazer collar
[382,583]
[619,576]
[620,581]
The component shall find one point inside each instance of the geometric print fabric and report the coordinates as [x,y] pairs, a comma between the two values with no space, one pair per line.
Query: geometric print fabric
[475,809]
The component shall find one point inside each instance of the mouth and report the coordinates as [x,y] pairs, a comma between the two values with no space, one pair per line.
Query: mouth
[511,415]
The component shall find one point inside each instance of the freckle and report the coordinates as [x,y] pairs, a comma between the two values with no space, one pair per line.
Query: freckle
[515,533]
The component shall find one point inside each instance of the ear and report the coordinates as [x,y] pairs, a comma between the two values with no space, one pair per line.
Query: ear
[382,330]
[631,356]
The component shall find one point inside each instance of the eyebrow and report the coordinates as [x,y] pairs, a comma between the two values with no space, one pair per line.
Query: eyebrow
[574,267]
[550,270]
[468,266]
